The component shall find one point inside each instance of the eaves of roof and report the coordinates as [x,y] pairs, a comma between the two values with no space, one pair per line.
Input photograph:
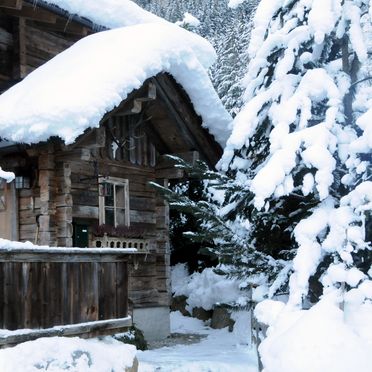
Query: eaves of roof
[64,13]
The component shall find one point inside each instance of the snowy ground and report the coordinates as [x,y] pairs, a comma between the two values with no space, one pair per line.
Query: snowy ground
[219,351]
[212,351]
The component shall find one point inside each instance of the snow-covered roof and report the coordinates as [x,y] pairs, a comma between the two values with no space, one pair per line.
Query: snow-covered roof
[75,89]
[107,13]
[7,176]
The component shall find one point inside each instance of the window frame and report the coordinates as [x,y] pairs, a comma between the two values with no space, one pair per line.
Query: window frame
[101,202]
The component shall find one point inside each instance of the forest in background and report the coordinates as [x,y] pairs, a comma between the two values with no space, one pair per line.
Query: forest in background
[227,29]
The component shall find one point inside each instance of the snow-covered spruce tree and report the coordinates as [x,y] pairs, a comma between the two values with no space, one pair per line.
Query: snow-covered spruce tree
[186,250]
[224,232]
[296,167]
[300,148]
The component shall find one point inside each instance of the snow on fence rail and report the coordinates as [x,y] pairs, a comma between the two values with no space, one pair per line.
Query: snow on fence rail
[41,288]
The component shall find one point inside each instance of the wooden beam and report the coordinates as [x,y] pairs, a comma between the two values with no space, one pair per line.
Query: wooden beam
[11,4]
[179,102]
[170,173]
[183,129]
[127,104]
[66,331]
[64,25]
[34,14]
[66,254]
[22,48]
[156,139]
[189,157]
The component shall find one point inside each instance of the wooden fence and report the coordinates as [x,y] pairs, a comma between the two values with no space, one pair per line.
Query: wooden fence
[44,288]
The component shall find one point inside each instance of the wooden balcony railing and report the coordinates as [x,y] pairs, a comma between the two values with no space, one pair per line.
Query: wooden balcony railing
[141,245]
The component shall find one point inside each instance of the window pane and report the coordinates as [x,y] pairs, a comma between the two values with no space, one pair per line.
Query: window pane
[109,217]
[120,216]
[2,195]
[120,196]
[109,195]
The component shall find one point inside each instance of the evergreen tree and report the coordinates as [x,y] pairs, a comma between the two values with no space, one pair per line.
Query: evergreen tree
[297,164]
[300,145]
[193,253]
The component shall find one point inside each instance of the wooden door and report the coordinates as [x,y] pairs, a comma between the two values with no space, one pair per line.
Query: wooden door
[8,211]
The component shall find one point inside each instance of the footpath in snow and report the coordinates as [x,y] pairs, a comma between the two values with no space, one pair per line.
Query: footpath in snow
[218,350]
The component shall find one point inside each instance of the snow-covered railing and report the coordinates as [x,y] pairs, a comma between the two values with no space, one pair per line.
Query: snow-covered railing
[42,288]
[65,254]
[8,338]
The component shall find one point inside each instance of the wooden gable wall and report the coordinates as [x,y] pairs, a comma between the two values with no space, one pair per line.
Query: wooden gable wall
[30,35]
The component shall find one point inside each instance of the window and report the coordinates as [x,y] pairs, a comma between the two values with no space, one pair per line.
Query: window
[2,195]
[113,201]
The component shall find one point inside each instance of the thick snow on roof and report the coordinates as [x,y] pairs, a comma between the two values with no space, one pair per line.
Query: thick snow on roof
[108,13]
[7,176]
[76,88]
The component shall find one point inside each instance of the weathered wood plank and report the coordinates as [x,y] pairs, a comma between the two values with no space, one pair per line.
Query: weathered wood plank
[2,296]
[36,295]
[46,294]
[170,173]
[45,280]
[64,293]
[63,255]
[65,26]
[82,211]
[142,217]
[101,294]
[31,13]
[109,290]
[55,296]
[74,286]
[11,4]
[121,289]
[8,301]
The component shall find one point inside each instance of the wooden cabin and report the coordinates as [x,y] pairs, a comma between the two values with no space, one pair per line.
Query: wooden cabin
[95,191]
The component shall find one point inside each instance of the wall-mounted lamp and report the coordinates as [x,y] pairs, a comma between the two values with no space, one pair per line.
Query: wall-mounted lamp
[106,189]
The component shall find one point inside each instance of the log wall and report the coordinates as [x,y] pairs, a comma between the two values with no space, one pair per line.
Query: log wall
[65,190]
[149,275]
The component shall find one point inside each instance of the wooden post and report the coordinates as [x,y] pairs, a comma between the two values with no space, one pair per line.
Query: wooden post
[47,226]
[20,54]
[163,250]
[64,206]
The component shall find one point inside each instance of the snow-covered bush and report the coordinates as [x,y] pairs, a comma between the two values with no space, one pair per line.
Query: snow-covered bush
[323,338]
[68,354]
[204,289]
